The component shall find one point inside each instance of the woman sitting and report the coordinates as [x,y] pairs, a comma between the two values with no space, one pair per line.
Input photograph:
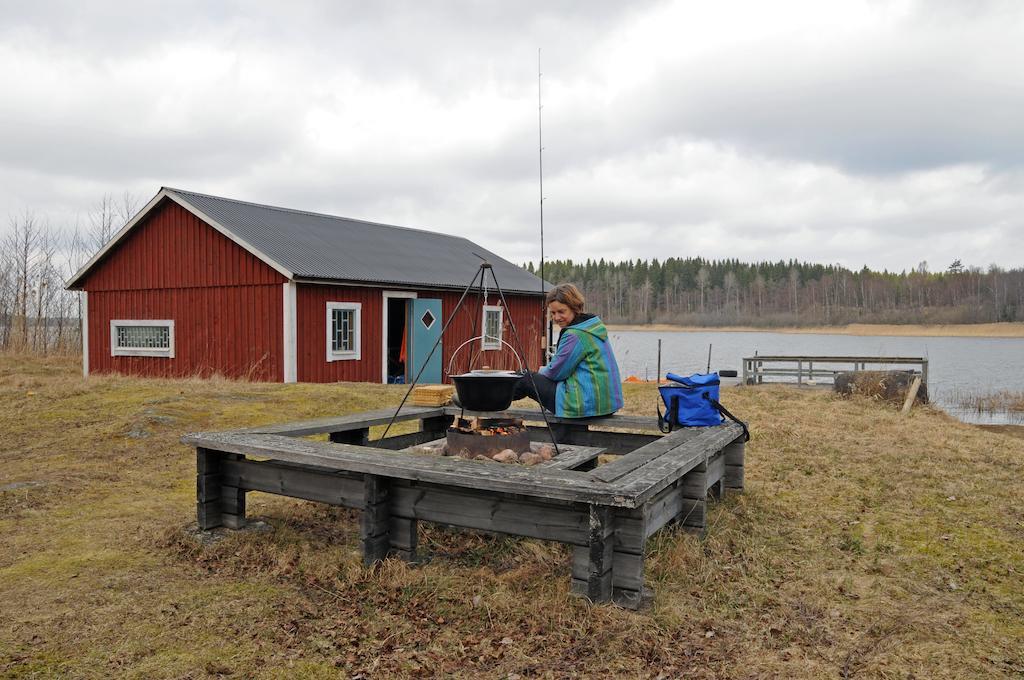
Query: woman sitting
[582,378]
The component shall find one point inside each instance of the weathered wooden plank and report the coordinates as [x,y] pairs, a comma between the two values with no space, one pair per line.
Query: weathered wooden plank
[911,395]
[404,441]
[588,587]
[662,509]
[208,486]
[208,514]
[306,482]
[632,599]
[614,442]
[734,477]
[597,555]
[627,568]
[644,483]
[692,513]
[530,481]
[630,531]
[232,507]
[696,483]
[643,423]
[436,424]
[646,454]
[207,462]
[487,512]
[572,458]
[735,452]
[352,421]
[404,537]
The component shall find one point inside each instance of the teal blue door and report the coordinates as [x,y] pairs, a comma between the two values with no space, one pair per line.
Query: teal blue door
[424,326]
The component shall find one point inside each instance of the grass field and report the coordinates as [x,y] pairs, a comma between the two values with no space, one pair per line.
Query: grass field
[978,330]
[866,545]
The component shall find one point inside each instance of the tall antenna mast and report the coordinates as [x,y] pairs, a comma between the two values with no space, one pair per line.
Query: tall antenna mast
[540,166]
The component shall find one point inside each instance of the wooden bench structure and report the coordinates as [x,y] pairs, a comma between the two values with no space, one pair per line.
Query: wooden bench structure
[605,512]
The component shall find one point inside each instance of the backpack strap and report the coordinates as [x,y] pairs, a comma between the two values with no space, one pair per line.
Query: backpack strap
[725,412]
[671,416]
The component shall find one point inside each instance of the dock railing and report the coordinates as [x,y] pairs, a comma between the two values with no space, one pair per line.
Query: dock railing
[770,368]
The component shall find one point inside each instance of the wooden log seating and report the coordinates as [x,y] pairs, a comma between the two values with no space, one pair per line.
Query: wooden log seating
[606,512]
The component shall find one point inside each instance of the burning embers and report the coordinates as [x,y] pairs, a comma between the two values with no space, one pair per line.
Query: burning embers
[503,440]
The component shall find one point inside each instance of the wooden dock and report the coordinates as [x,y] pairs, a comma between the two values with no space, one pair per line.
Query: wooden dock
[783,368]
[605,512]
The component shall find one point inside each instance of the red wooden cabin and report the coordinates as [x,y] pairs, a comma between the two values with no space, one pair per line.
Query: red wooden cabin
[201,285]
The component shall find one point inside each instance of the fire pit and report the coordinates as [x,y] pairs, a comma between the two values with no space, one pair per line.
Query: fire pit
[472,437]
[606,513]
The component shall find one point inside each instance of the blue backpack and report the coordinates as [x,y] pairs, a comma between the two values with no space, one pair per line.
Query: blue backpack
[692,401]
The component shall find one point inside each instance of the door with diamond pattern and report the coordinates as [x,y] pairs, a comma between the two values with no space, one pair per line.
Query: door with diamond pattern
[424,329]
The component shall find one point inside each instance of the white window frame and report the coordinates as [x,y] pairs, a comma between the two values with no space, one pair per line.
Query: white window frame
[116,351]
[484,344]
[349,355]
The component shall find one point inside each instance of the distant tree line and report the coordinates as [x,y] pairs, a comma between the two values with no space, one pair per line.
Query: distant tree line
[699,292]
[36,258]
[38,315]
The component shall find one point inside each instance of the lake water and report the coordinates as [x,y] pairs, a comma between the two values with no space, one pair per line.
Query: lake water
[955,365]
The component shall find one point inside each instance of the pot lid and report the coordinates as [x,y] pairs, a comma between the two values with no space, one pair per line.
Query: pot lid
[488,373]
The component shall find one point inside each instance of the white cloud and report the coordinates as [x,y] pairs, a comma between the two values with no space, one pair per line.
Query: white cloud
[853,132]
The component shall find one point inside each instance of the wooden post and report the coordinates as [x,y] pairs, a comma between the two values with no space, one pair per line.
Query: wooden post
[911,395]
[800,373]
[695,499]
[630,542]
[734,454]
[592,563]
[208,514]
[924,372]
[375,528]
[217,504]
[403,537]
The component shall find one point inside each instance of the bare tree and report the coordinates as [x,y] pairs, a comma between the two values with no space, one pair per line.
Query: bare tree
[703,276]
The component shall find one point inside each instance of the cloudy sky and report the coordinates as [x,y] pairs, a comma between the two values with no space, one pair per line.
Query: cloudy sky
[860,132]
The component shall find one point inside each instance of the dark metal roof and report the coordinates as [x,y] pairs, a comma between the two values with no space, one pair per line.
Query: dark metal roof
[316,246]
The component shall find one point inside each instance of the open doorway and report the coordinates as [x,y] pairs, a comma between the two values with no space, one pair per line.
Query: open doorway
[396,342]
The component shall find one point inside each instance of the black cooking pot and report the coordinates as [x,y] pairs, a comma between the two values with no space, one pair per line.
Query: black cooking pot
[486,390]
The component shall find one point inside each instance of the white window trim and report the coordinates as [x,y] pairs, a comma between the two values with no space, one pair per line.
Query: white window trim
[116,351]
[484,344]
[290,364]
[355,354]
[85,333]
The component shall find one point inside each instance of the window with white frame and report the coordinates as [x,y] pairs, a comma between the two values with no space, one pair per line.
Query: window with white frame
[493,323]
[142,338]
[343,330]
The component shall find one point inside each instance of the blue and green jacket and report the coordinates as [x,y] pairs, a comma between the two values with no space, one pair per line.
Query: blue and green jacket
[586,371]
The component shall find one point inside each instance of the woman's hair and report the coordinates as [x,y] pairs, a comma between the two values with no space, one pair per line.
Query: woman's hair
[568,294]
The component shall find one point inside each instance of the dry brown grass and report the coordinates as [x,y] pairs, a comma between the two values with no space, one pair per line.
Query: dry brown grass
[865,545]
[979,330]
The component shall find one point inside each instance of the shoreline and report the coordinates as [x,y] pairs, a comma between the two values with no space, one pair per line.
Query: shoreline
[980,330]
